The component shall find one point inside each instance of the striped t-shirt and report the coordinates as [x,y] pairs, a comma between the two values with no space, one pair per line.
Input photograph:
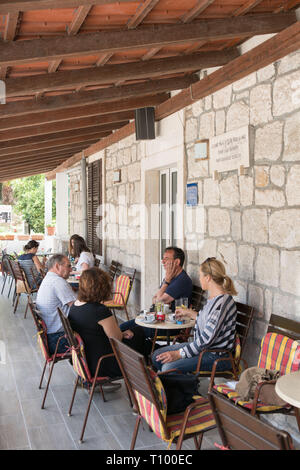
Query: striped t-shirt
[215,326]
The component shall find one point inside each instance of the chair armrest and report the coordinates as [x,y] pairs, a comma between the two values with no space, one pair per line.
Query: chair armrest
[210,350]
[259,386]
[214,369]
[100,360]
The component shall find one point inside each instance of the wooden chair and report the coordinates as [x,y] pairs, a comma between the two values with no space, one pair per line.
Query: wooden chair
[123,287]
[50,359]
[280,350]
[22,285]
[150,402]
[240,431]
[243,321]
[82,370]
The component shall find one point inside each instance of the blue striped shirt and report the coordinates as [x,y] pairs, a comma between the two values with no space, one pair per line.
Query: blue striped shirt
[215,326]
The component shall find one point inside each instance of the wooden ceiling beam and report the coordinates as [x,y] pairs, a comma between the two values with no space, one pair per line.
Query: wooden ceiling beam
[78,19]
[48,49]
[16,143]
[47,103]
[6,166]
[98,110]
[109,74]
[51,128]
[7,6]
[247,6]
[52,143]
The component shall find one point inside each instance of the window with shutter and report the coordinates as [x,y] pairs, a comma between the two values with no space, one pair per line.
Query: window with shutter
[94,201]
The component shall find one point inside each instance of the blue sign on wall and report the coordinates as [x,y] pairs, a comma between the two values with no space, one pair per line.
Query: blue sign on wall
[192,194]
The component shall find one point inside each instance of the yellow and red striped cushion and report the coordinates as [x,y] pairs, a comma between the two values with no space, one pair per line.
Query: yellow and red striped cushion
[233,395]
[279,352]
[122,287]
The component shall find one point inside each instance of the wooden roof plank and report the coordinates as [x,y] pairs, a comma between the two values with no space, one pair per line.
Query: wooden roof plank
[142,11]
[48,49]
[200,6]
[109,74]
[78,19]
[7,6]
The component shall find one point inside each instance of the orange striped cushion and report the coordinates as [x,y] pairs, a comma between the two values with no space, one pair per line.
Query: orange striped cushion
[279,352]
[149,412]
[122,286]
[232,394]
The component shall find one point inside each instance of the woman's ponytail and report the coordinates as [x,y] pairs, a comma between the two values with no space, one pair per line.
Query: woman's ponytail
[228,286]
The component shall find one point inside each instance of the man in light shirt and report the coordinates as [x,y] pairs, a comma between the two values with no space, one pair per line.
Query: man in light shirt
[54,292]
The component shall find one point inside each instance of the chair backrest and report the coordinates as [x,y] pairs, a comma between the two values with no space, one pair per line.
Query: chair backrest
[197,298]
[41,330]
[241,431]
[31,274]
[148,398]
[244,319]
[280,353]
[67,328]
[122,289]
[284,326]
[19,274]
[6,265]
[114,269]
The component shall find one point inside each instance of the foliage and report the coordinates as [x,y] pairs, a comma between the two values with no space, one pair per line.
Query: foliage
[29,200]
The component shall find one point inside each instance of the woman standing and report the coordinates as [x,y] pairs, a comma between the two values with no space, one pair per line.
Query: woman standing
[214,328]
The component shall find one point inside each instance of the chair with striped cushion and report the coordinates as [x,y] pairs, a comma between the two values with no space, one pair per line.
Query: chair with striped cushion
[280,353]
[82,370]
[150,402]
[50,359]
[123,288]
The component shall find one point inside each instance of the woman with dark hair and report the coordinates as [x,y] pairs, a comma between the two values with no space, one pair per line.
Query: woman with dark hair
[29,260]
[83,257]
[94,322]
[75,236]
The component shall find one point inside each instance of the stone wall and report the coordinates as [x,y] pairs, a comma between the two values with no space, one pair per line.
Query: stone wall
[253,221]
[75,200]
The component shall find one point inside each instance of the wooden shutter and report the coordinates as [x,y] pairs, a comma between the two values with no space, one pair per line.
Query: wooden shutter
[94,201]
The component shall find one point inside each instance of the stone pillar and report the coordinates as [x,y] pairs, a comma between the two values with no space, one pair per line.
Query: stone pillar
[62,212]
[48,202]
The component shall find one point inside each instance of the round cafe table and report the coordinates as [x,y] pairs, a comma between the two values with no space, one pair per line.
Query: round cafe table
[165,325]
[288,388]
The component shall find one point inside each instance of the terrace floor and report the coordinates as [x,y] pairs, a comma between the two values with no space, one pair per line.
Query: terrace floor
[24,425]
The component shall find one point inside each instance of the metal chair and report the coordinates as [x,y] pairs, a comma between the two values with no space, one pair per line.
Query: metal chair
[150,402]
[22,285]
[240,431]
[123,288]
[50,359]
[6,271]
[82,370]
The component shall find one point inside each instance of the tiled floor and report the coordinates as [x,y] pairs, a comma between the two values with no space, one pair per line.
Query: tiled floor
[23,425]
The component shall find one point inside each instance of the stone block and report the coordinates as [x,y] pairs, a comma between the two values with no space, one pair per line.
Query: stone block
[266,73]
[284,227]
[220,122]
[211,193]
[290,272]
[267,267]
[291,150]
[268,142]
[246,82]
[256,299]
[286,306]
[269,198]
[246,190]
[261,176]
[229,191]
[260,105]
[286,94]
[246,255]
[228,254]
[207,249]
[255,226]
[222,98]
[238,115]
[207,126]
[236,225]
[293,186]
[191,130]
[277,175]
[134,172]
[218,222]
[197,108]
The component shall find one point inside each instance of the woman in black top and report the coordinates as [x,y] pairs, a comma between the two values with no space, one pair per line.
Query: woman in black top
[94,322]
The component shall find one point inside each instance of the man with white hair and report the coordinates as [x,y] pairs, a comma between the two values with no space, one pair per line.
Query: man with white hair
[54,292]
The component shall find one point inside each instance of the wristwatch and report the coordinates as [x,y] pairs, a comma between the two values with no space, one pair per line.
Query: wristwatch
[166,282]
[182,353]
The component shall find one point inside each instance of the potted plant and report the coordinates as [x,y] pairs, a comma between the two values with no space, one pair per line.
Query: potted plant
[37,237]
[50,229]
[23,237]
[9,237]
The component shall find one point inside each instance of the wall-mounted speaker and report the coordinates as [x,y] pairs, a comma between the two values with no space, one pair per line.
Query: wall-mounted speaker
[144,123]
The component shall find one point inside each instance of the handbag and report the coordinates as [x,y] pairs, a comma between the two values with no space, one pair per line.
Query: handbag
[180,390]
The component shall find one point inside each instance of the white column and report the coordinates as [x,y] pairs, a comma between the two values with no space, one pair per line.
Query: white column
[62,210]
[48,202]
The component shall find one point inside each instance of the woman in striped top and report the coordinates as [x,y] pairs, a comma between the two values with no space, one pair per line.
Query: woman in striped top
[214,328]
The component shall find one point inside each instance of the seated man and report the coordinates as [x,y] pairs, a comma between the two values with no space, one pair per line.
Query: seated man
[175,285]
[55,292]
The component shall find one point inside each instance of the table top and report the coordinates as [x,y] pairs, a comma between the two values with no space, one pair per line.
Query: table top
[166,325]
[288,388]
[73,280]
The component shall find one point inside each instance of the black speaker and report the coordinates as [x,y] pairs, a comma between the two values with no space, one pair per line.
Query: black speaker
[144,124]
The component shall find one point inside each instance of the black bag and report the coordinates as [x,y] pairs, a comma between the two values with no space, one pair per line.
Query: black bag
[180,389]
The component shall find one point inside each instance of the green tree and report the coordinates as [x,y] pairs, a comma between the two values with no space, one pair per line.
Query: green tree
[29,201]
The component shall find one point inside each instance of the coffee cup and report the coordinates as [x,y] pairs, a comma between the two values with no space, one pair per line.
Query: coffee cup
[149,317]
[172,317]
